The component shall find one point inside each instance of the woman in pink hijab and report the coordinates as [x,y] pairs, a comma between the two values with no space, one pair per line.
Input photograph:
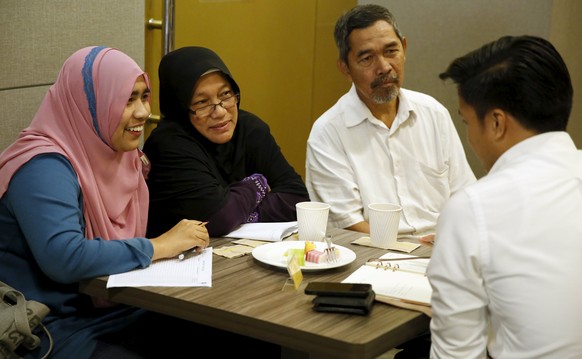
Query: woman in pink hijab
[74,203]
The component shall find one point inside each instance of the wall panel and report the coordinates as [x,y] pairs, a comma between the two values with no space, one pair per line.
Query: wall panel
[565,32]
[328,82]
[18,106]
[37,36]
[439,31]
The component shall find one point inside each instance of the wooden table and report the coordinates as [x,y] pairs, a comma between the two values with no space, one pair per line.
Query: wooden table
[247,298]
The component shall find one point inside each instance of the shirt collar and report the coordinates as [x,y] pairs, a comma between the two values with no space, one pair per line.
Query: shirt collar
[357,112]
[542,143]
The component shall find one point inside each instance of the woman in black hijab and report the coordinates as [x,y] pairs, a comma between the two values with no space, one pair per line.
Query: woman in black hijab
[210,159]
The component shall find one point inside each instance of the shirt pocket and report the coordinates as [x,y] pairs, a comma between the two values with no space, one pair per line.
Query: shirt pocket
[435,186]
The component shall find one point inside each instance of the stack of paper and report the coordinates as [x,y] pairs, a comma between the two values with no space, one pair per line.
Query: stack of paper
[398,281]
[265,231]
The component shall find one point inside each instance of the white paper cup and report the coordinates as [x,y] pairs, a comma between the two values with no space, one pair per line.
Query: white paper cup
[384,219]
[312,220]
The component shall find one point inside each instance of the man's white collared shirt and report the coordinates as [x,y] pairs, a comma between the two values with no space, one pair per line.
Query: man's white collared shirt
[353,160]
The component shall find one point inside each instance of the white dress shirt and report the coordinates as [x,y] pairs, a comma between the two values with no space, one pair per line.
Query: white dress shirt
[506,269]
[353,160]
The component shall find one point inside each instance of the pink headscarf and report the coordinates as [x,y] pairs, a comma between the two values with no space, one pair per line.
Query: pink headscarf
[77,118]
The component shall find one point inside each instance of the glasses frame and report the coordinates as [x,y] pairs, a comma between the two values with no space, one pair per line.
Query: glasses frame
[213,106]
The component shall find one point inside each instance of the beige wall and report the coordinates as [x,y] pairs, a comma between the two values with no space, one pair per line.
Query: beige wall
[565,33]
[439,31]
[37,36]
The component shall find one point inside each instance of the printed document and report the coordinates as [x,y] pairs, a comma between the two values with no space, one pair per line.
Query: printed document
[193,271]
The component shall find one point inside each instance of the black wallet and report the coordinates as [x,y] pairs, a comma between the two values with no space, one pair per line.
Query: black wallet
[347,305]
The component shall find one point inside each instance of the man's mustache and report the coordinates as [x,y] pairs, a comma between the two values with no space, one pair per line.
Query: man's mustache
[380,80]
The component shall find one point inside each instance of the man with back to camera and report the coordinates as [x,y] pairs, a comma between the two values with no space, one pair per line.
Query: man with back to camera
[505,269]
[379,142]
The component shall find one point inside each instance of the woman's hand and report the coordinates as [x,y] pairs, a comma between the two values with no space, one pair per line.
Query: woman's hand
[185,235]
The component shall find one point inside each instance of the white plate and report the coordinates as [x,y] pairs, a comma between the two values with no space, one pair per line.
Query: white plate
[274,254]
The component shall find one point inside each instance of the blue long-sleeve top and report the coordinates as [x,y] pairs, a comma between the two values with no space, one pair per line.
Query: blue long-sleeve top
[44,254]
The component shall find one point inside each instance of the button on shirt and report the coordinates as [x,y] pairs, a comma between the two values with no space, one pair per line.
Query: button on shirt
[353,160]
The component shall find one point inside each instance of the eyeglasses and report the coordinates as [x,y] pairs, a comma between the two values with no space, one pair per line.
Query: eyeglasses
[205,111]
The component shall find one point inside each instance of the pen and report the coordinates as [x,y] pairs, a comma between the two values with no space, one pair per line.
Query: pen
[183,255]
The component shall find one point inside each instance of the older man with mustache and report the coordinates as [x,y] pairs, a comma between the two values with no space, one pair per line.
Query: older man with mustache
[380,142]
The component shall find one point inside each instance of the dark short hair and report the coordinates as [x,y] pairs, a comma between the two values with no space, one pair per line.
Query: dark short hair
[360,17]
[523,75]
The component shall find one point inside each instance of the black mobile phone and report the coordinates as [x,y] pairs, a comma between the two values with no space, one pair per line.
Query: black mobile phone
[338,289]
[360,302]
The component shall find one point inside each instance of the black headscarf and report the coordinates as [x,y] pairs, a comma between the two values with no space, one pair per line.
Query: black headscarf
[192,177]
[178,72]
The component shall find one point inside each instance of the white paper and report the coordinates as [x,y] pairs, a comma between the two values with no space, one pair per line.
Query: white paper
[409,282]
[265,231]
[194,271]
